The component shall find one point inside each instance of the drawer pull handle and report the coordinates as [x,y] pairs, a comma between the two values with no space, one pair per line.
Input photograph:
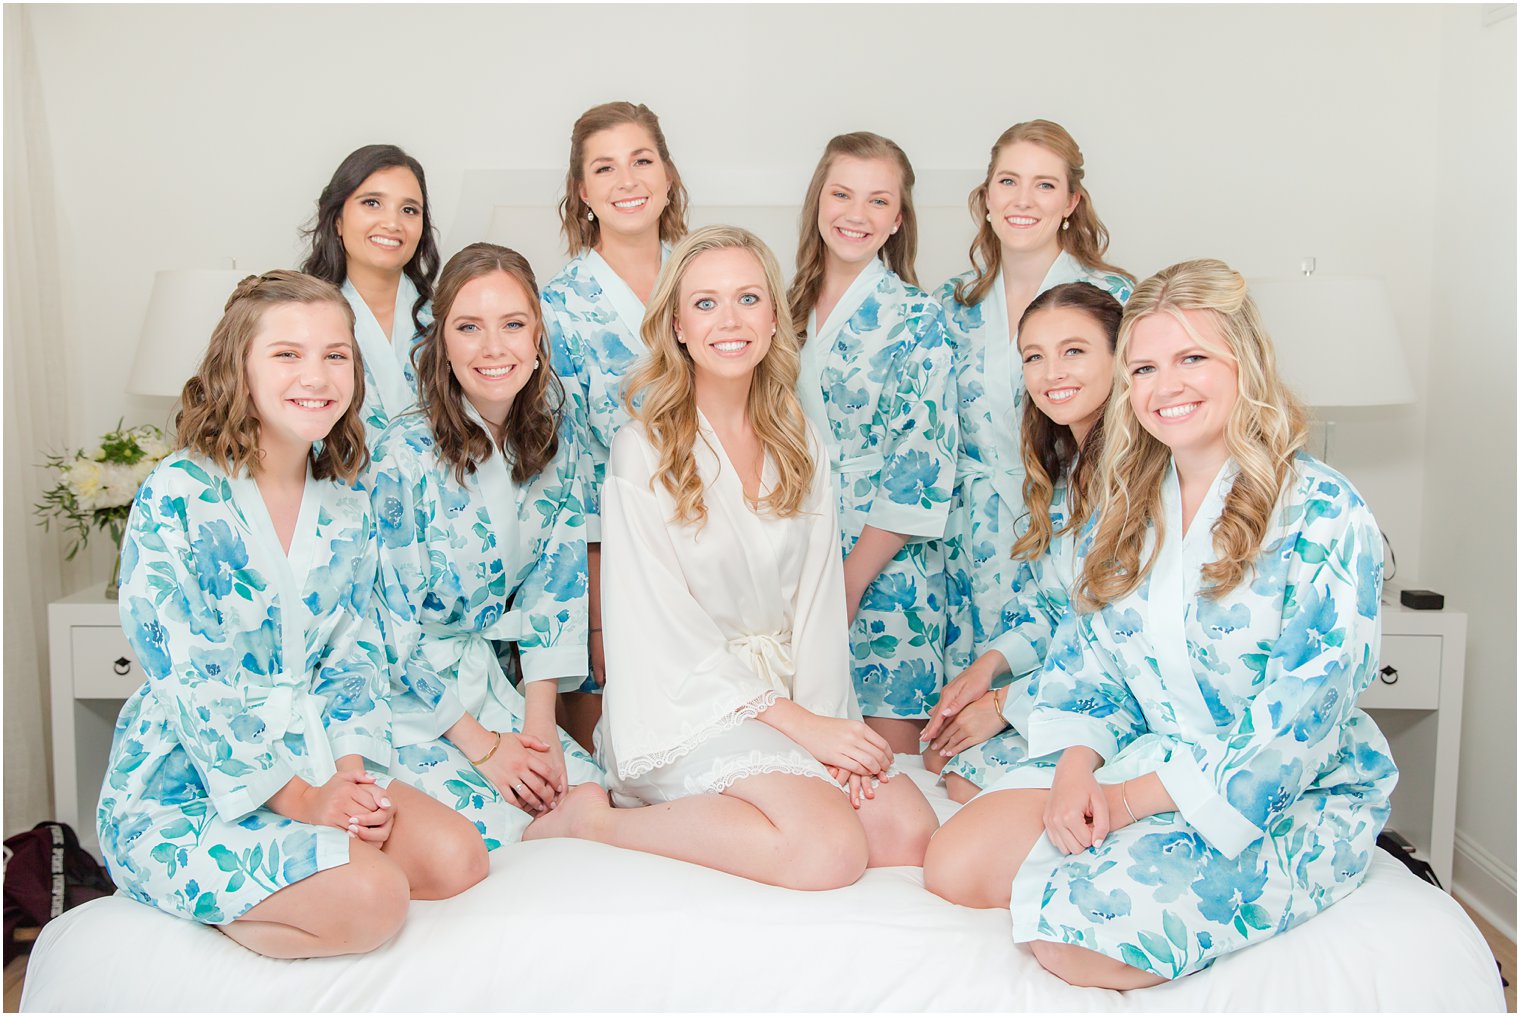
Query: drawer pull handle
[122,665]
[1389,675]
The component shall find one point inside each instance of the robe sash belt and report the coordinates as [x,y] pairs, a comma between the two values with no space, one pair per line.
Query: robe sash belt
[291,710]
[770,657]
[474,657]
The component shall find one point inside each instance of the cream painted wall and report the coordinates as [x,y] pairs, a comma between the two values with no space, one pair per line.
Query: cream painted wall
[183,135]
[1470,476]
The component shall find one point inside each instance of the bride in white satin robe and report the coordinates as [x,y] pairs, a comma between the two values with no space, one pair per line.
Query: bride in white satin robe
[730,731]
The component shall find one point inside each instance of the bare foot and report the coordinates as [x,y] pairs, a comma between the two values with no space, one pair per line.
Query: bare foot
[578,815]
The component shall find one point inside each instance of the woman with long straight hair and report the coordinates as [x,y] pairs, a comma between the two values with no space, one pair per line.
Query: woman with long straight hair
[246,785]
[731,735]
[374,238]
[478,495]
[1066,345]
[876,384]
[1217,784]
[624,205]
[1036,228]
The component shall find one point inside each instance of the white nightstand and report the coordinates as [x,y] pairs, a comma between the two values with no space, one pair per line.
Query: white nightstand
[93,673]
[1419,708]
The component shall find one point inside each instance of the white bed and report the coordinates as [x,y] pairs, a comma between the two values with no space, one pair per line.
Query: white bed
[567,925]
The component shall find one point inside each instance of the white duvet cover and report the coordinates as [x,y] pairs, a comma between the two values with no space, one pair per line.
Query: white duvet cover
[567,925]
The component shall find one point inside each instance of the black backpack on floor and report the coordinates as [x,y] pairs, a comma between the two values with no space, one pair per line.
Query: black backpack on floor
[46,873]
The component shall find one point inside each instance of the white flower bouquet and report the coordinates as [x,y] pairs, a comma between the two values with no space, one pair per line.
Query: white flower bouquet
[95,488]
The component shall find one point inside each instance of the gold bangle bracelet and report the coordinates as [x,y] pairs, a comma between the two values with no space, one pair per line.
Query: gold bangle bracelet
[487,756]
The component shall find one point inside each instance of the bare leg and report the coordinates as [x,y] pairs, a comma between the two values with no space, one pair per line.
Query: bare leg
[578,713]
[974,856]
[933,760]
[348,909]
[898,822]
[958,788]
[1087,969]
[785,830]
[439,850]
[901,735]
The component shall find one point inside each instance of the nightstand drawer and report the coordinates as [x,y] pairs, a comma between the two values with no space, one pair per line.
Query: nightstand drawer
[1417,658]
[104,667]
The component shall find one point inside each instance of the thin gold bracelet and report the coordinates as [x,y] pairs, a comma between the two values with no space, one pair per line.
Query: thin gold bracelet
[997,705]
[487,756]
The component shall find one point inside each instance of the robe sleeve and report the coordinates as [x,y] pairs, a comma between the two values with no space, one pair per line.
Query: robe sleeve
[404,495]
[353,676]
[824,683]
[1026,641]
[913,489]
[1234,785]
[194,661]
[672,678]
[553,594]
[1080,696]
[569,361]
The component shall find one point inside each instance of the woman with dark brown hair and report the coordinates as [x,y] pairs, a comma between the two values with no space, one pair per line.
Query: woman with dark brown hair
[246,787]
[478,499]
[624,205]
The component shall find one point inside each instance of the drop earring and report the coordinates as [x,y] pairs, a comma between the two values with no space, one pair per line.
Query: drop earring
[1065,225]
[590,215]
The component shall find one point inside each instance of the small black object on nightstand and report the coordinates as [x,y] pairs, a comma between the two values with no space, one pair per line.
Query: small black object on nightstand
[1421,599]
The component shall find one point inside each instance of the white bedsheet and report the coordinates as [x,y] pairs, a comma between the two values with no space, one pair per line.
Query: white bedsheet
[568,925]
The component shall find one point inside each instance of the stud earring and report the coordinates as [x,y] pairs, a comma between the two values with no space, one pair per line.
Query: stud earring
[590,215]
[894,230]
[989,216]
[1065,225]
[535,363]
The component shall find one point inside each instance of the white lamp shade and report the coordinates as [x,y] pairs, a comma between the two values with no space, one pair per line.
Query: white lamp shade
[182,313]
[1337,343]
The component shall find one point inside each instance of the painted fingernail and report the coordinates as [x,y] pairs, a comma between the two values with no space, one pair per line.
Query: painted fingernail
[353,820]
[385,802]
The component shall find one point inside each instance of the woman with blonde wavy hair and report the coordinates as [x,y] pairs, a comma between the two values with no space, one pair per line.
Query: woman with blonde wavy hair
[876,384]
[731,734]
[624,205]
[1036,228]
[247,785]
[1216,783]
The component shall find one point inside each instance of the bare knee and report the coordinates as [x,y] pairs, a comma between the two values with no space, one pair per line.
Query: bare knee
[899,836]
[959,789]
[457,859]
[375,898]
[1084,968]
[831,855]
[955,870]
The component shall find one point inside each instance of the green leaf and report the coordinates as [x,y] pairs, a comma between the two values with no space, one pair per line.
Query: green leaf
[224,858]
[206,910]
[1134,957]
[256,857]
[163,853]
[1240,927]
[1256,916]
[1157,947]
[1175,930]
[236,882]
[272,862]
[179,827]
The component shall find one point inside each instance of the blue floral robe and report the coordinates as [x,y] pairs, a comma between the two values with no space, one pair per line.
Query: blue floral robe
[1245,706]
[463,566]
[261,667]
[1042,596]
[592,318]
[989,477]
[876,382]
[390,382]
